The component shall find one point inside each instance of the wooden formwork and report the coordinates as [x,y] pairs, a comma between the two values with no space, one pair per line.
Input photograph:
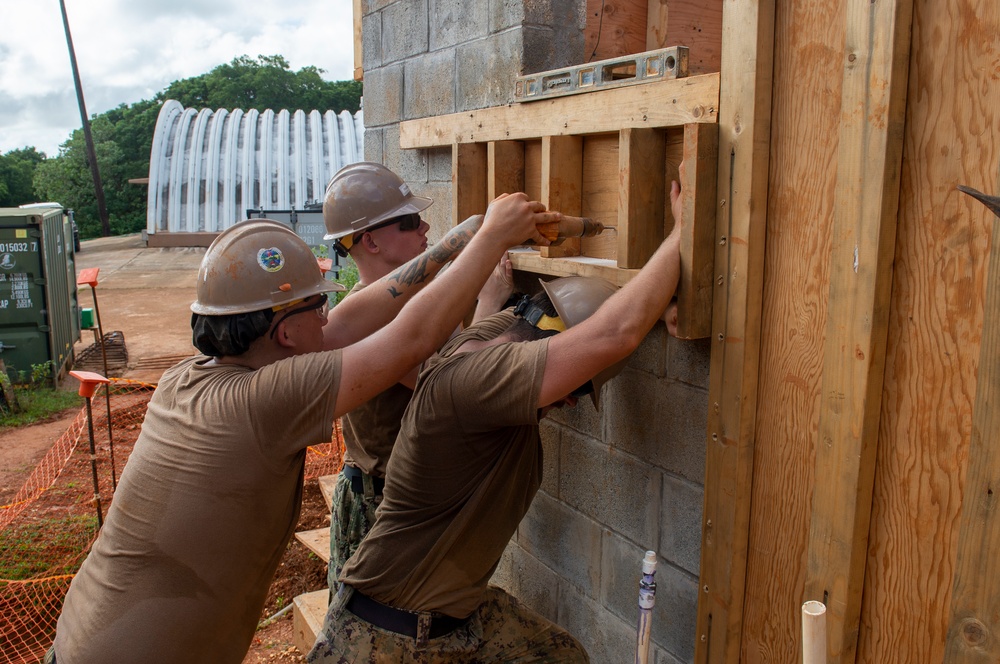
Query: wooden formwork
[852,308]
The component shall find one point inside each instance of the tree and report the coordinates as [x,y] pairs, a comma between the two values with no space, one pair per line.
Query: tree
[17,171]
[123,136]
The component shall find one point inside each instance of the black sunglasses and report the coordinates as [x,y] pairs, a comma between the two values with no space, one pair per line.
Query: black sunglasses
[318,307]
[407,222]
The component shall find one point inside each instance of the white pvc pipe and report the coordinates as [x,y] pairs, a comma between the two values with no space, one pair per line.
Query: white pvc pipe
[813,632]
[647,599]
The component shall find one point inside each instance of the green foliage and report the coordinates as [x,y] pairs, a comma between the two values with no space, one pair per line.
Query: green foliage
[17,171]
[36,404]
[347,277]
[123,136]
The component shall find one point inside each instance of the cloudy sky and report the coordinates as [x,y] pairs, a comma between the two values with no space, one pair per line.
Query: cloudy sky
[129,50]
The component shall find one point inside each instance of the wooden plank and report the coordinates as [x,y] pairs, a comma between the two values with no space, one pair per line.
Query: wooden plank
[873,104]
[697,25]
[562,185]
[936,326]
[666,103]
[317,541]
[600,193]
[359,65]
[469,171]
[974,631]
[694,293]
[327,484]
[641,159]
[533,169]
[744,137]
[528,260]
[614,28]
[308,614]
[506,168]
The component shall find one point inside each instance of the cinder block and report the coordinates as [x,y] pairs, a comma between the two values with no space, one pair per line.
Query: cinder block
[411,165]
[489,66]
[506,14]
[661,656]
[373,145]
[651,355]
[546,48]
[371,41]
[613,488]
[429,85]
[563,540]
[383,90]
[582,418]
[658,420]
[680,522]
[369,6]
[689,361]
[607,638]
[528,580]
[456,22]
[404,30]
[550,435]
[675,612]
[439,164]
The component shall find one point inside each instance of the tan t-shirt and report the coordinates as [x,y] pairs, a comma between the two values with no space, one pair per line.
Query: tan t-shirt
[464,470]
[370,430]
[204,509]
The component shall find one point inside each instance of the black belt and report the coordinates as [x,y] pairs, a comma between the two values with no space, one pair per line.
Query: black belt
[399,621]
[357,480]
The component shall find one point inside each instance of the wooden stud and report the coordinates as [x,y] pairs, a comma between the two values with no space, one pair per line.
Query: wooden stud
[864,232]
[468,180]
[562,185]
[974,631]
[506,168]
[529,260]
[665,103]
[744,138]
[641,159]
[359,66]
[698,240]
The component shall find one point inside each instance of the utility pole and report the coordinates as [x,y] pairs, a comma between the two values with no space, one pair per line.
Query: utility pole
[102,209]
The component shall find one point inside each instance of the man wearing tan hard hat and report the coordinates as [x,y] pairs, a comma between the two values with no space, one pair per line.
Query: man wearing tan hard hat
[372,216]
[211,493]
[466,466]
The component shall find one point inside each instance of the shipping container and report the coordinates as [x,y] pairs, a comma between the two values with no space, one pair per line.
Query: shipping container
[39,313]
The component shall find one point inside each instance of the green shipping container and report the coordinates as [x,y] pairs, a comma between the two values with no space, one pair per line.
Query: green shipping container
[39,316]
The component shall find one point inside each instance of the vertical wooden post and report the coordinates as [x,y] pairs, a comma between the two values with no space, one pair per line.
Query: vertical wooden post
[974,631]
[562,185]
[864,233]
[641,195]
[359,66]
[468,180]
[505,168]
[694,293]
[744,150]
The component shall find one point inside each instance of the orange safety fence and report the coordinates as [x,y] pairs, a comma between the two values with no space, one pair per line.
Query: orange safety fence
[48,526]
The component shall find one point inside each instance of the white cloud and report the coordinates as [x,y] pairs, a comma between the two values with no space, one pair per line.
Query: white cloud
[127,51]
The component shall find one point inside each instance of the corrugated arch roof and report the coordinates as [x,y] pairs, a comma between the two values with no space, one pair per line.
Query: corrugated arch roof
[207,168]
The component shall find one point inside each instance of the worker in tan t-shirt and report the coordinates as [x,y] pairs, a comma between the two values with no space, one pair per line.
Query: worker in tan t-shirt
[465,468]
[373,217]
[210,496]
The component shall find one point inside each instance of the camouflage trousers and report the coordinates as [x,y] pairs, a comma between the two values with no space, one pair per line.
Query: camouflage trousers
[501,630]
[353,515]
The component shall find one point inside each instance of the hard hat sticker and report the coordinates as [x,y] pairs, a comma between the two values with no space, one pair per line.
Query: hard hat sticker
[404,189]
[271,259]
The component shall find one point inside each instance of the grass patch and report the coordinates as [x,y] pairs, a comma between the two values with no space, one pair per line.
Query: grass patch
[38,404]
[51,546]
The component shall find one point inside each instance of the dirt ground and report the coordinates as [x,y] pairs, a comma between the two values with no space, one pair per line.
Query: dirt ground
[145,294]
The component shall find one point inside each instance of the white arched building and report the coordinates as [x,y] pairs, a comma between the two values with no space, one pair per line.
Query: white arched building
[207,168]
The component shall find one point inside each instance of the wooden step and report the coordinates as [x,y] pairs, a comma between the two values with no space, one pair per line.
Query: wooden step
[317,541]
[326,485]
[308,613]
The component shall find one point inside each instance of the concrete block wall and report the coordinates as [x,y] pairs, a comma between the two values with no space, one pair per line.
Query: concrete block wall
[618,481]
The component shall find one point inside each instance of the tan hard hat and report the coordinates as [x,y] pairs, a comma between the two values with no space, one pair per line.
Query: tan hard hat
[255,265]
[364,194]
[576,299]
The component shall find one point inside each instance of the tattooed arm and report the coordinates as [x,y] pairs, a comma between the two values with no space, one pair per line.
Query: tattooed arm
[385,356]
[372,308]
